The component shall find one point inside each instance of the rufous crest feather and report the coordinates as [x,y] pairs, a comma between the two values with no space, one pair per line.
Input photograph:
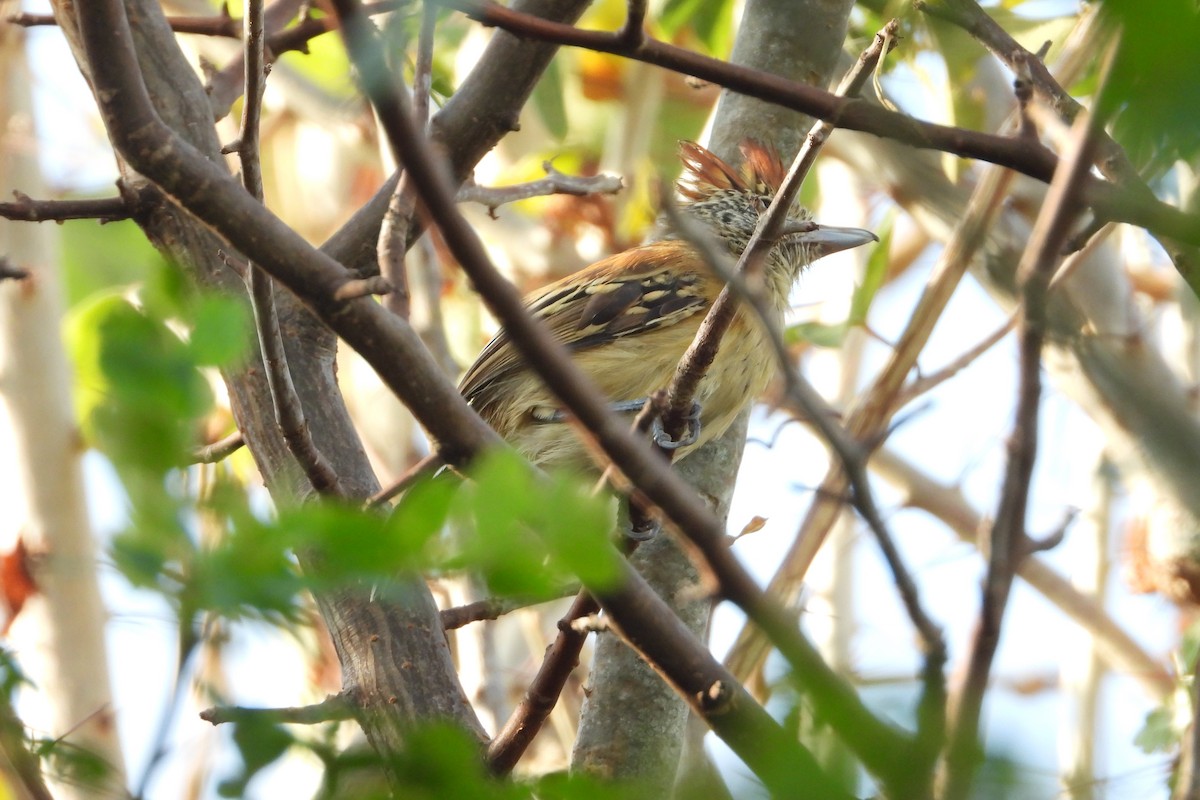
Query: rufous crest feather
[704,173]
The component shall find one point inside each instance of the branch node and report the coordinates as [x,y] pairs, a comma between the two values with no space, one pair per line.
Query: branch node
[363,287]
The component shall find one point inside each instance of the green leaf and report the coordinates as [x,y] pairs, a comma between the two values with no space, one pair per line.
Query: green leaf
[247,574]
[260,743]
[221,330]
[497,539]
[1155,82]
[576,525]
[96,258]
[354,545]
[873,276]
[140,393]
[72,764]
[711,20]
[549,103]
[1158,733]
[439,760]
[524,533]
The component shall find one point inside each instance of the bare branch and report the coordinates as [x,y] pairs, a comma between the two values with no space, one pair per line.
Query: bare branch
[543,692]
[494,608]
[333,708]
[218,450]
[26,209]
[555,182]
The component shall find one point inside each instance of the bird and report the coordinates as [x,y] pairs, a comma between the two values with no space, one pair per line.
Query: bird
[628,318]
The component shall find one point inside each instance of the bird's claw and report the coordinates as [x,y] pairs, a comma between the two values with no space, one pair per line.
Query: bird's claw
[690,435]
[643,530]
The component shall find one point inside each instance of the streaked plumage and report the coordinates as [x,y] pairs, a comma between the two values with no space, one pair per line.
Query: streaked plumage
[629,317]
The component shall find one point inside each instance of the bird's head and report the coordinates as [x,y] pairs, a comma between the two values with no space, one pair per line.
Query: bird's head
[731,201]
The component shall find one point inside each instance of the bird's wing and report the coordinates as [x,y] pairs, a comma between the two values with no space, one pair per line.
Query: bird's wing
[639,290]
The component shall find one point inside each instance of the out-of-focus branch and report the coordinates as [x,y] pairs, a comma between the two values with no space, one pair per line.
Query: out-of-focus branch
[219,450]
[1118,649]
[332,709]
[1008,539]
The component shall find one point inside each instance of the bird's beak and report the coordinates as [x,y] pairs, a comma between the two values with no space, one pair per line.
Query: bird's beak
[823,240]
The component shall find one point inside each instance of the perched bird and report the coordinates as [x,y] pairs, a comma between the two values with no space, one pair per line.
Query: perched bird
[629,318]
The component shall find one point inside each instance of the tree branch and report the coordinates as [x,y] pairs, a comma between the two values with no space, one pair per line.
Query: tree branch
[1007,539]
[333,708]
[26,209]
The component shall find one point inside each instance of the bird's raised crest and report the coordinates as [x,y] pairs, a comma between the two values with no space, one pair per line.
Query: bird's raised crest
[705,173]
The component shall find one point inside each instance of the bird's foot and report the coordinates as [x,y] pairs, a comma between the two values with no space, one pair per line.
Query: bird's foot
[690,435]
[643,530]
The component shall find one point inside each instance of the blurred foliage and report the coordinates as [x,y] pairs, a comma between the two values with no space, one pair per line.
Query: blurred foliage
[97,257]
[437,761]
[260,744]
[502,507]
[1155,83]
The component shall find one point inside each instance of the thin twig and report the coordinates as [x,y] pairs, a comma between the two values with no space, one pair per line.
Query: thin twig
[708,338]
[927,383]
[393,232]
[703,349]
[426,466]
[634,29]
[1007,538]
[26,209]
[494,608]
[218,450]
[289,414]
[333,708]
[555,182]
[543,692]
[867,420]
